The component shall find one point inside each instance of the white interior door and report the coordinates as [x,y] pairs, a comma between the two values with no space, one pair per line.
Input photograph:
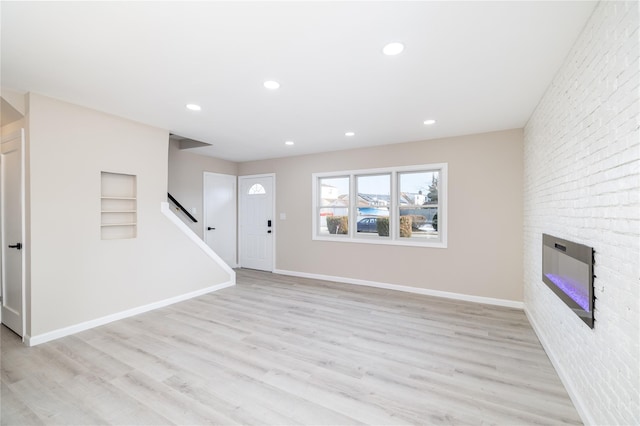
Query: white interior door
[257,224]
[12,229]
[219,215]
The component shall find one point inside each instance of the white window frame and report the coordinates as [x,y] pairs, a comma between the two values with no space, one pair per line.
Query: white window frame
[394,223]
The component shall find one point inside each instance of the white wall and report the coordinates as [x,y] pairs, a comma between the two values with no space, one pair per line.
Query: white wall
[75,276]
[582,183]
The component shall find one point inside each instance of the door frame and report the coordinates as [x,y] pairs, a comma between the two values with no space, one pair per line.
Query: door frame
[19,134]
[204,212]
[274,226]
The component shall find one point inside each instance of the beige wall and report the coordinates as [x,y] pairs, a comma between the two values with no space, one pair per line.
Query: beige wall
[76,276]
[16,99]
[186,177]
[9,128]
[484,254]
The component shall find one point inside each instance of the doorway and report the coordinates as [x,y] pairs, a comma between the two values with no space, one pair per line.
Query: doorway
[12,230]
[219,213]
[257,224]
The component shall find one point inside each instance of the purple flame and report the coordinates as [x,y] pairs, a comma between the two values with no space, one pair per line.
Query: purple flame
[572,288]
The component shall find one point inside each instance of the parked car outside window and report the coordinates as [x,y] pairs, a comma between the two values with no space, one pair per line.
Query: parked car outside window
[368,224]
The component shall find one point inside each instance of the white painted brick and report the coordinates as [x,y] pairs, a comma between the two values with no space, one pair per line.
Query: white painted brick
[582,183]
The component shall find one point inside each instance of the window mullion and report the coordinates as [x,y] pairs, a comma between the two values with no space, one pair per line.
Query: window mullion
[353,203]
[393,209]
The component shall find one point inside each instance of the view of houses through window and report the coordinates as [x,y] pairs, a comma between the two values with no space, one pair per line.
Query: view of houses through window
[418,204]
[389,204]
[373,203]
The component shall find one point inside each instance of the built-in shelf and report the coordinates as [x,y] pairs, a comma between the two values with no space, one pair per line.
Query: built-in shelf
[118,211]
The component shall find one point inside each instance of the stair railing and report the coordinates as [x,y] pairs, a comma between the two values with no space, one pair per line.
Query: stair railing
[179,206]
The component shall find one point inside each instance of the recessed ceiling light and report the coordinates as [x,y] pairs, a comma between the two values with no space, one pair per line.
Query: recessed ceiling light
[429,122]
[272,85]
[289,143]
[193,107]
[350,134]
[393,48]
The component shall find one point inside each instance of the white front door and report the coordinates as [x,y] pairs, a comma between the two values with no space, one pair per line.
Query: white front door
[220,215]
[257,224]
[12,230]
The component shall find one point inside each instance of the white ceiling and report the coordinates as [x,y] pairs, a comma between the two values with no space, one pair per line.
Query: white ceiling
[474,66]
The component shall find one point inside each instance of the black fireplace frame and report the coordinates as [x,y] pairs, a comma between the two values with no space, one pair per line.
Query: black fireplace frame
[558,247]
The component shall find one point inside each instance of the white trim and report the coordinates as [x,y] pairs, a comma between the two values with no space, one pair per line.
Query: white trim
[76,328]
[166,210]
[66,331]
[23,183]
[18,134]
[408,289]
[370,239]
[274,226]
[394,238]
[394,225]
[581,406]
[443,197]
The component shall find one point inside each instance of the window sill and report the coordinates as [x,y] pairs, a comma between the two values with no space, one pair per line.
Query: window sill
[380,241]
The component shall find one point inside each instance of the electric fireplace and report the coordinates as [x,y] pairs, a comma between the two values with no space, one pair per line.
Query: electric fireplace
[567,269]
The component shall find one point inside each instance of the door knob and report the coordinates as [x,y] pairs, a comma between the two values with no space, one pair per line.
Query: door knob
[210,228]
[16,246]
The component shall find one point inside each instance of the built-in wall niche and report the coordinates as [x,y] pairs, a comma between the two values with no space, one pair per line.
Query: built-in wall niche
[118,211]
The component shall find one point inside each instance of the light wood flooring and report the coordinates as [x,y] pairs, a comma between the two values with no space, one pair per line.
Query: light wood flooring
[282,350]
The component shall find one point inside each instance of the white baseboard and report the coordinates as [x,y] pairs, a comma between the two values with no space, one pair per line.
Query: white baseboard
[581,407]
[67,331]
[424,291]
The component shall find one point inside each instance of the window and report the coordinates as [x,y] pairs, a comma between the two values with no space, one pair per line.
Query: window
[418,204]
[401,206]
[373,201]
[257,189]
[332,206]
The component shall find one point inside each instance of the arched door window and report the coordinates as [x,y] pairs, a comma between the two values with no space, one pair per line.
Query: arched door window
[256,189]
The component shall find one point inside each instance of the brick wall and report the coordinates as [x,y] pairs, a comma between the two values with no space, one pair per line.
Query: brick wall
[582,183]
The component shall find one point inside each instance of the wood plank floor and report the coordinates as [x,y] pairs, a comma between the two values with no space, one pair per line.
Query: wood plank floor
[282,350]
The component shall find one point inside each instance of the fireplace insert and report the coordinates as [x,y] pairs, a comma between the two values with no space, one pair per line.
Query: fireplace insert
[567,269]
